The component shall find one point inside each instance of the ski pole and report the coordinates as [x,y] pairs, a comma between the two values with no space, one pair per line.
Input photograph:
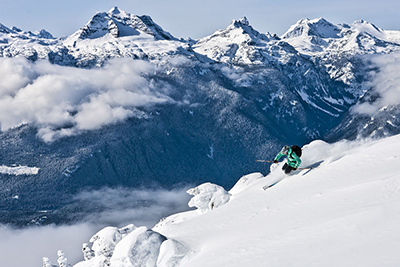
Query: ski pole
[262,160]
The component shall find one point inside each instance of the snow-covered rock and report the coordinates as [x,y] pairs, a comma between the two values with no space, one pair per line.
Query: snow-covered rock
[132,247]
[172,253]
[139,248]
[208,196]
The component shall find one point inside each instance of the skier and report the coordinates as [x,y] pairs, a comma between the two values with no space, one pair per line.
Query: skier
[293,160]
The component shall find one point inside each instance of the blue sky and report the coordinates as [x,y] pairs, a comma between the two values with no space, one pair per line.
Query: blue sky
[196,19]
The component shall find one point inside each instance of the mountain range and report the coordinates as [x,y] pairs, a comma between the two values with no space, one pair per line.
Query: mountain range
[208,108]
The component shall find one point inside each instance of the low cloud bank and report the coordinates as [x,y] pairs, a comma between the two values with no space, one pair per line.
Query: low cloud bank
[122,206]
[62,101]
[385,84]
[119,207]
[27,247]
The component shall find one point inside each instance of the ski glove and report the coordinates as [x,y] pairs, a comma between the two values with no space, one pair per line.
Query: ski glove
[275,161]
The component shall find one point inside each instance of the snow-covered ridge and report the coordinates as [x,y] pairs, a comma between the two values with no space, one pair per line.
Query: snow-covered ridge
[319,36]
[119,23]
[342,213]
[338,49]
[239,43]
[314,49]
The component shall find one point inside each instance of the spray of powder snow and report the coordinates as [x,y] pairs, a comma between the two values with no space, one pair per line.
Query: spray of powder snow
[62,101]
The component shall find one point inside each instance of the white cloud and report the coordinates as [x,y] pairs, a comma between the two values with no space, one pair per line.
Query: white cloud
[27,247]
[51,96]
[386,83]
[15,73]
[121,206]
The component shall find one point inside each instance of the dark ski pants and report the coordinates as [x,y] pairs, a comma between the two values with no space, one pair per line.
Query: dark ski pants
[286,168]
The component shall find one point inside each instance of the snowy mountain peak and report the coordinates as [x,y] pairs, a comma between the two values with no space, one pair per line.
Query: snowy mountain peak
[119,23]
[367,27]
[118,12]
[238,31]
[238,43]
[244,25]
[315,27]
[42,34]
[366,23]
[16,29]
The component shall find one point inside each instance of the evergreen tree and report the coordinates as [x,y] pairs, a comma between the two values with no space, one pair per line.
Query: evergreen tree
[88,253]
[62,260]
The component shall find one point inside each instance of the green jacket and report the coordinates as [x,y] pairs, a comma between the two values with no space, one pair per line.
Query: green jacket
[292,159]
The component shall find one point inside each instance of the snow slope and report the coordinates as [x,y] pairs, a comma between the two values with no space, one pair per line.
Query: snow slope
[343,213]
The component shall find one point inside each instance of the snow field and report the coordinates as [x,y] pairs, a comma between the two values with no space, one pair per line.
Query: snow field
[343,213]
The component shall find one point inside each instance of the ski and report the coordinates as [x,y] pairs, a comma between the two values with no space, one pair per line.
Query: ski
[262,160]
[268,186]
[265,187]
[306,168]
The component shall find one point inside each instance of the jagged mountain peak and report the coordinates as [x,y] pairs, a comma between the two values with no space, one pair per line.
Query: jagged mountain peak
[238,31]
[244,24]
[115,11]
[238,43]
[5,29]
[15,30]
[240,22]
[42,34]
[119,23]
